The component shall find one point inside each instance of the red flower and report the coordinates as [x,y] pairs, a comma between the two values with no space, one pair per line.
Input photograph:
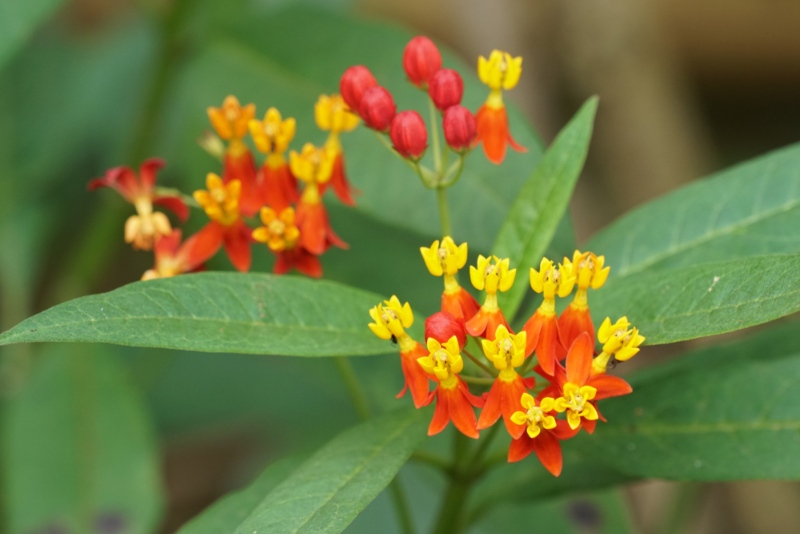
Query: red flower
[146,227]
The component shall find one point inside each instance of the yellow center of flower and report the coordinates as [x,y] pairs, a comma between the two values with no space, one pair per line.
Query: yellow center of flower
[506,352]
[390,319]
[230,121]
[273,134]
[535,417]
[576,403]
[492,275]
[332,114]
[445,257]
[279,231]
[444,361]
[220,201]
[313,165]
[551,281]
[146,227]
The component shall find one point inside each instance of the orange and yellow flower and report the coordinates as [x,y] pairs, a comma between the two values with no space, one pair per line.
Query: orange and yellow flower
[454,402]
[620,340]
[500,72]
[147,226]
[314,166]
[220,201]
[588,271]
[542,435]
[445,258]
[272,136]
[231,123]
[542,327]
[173,258]
[492,275]
[333,115]
[390,321]
[281,235]
[506,352]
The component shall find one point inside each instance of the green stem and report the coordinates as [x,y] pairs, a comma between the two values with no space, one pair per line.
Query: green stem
[361,405]
[432,460]
[478,380]
[451,512]
[437,154]
[444,212]
[353,387]
[480,364]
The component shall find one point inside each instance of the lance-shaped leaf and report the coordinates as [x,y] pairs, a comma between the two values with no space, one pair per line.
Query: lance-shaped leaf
[703,300]
[327,491]
[746,210]
[217,312]
[542,201]
[78,451]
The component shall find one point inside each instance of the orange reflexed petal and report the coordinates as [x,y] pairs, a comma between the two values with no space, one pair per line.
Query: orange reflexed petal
[579,359]
[492,131]
[341,186]
[241,167]
[415,378]
[542,338]
[237,245]
[573,322]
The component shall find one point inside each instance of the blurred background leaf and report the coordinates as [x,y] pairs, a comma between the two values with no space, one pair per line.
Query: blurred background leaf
[78,451]
[18,20]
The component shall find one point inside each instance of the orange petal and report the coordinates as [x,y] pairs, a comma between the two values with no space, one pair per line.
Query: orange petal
[203,245]
[415,377]
[579,359]
[492,408]
[548,450]
[441,415]
[477,325]
[237,245]
[573,322]
[520,448]
[339,182]
[462,413]
[242,167]
[609,386]
[175,204]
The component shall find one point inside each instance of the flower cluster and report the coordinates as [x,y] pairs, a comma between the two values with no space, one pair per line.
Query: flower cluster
[574,374]
[292,222]
[406,130]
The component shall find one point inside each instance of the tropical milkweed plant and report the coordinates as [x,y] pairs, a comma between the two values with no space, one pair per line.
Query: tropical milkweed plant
[453,278]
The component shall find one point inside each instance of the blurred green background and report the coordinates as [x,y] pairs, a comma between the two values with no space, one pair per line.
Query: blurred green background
[685,89]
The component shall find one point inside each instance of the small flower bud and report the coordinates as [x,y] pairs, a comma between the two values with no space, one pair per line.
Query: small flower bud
[409,135]
[355,81]
[421,60]
[377,108]
[441,326]
[459,127]
[446,88]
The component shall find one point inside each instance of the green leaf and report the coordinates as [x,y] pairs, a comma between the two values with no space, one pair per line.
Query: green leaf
[541,203]
[261,62]
[234,508]
[703,300]
[743,211]
[217,312]
[18,20]
[600,512]
[736,417]
[328,490]
[77,449]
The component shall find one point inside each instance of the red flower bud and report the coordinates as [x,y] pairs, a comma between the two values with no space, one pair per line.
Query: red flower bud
[377,108]
[354,82]
[421,60]
[446,88]
[459,127]
[441,326]
[409,135]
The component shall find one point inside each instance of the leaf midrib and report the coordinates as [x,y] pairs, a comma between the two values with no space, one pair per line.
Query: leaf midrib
[352,475]
[719,232]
